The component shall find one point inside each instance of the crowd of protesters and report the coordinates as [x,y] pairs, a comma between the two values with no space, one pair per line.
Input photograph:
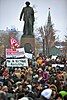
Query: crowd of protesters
[39,81]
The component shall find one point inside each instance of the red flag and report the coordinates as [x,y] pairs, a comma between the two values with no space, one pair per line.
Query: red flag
[14,43]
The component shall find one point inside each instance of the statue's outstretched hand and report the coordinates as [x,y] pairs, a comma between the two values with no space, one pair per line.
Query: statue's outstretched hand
[20,19]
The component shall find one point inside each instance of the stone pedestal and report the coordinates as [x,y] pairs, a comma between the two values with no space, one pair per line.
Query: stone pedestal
[28,42]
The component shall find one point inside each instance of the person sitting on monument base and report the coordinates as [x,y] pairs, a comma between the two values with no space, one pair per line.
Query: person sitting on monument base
[28,18]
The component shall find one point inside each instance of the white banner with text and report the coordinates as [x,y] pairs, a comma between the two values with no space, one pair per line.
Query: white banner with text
[17,62]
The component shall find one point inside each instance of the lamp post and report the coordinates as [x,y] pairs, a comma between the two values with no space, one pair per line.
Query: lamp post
[43,45]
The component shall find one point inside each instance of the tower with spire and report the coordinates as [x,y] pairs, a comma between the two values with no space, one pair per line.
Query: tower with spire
[49,34]
[49,19]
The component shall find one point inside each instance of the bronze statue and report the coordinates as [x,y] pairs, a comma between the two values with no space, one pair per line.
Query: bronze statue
[28,18]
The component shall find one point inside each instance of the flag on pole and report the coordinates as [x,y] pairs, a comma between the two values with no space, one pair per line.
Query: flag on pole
[14,43]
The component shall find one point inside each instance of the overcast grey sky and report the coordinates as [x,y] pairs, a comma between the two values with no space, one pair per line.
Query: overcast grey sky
[10,13]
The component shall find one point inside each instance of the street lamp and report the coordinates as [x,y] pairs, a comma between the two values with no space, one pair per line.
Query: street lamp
[43,45]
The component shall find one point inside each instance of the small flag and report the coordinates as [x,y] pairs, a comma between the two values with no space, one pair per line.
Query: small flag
[14,43]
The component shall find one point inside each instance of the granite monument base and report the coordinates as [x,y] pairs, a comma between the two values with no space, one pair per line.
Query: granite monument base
[28,42]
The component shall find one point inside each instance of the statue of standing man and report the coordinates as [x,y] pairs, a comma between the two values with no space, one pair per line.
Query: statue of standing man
[28,18]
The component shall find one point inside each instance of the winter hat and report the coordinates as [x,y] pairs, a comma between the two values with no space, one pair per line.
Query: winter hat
[29,87]
[40,69]
[46,93]
[24,98]
[63,93]
[53,87]
[36,76]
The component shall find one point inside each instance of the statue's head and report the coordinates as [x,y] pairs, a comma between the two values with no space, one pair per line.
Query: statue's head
[27,3]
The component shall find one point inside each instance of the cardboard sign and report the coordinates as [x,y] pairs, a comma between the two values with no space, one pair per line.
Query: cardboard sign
[28,55]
